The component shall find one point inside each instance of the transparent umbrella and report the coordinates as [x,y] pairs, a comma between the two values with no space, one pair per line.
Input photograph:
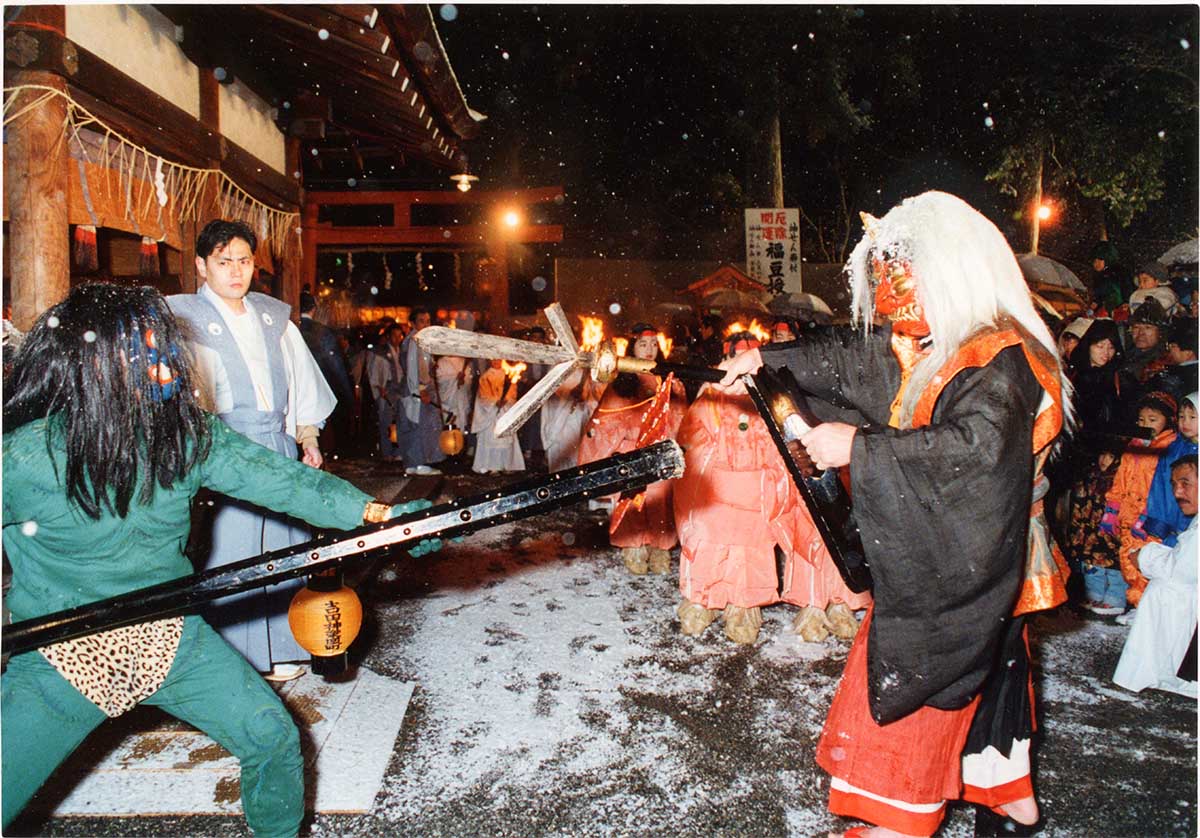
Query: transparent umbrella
[1044,270]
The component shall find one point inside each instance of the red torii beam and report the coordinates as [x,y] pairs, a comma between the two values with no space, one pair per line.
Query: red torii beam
[493,237]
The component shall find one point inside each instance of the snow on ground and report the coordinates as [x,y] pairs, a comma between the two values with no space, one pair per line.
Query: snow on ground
[555,696]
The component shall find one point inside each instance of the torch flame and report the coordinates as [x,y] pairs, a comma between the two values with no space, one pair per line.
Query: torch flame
[755,328]
[621,344]
[512,371]
[593,332]
[665,344]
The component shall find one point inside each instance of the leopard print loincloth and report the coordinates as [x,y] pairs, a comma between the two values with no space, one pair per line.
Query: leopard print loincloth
[116,669]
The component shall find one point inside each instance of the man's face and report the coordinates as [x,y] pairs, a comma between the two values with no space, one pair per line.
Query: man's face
[781,334]
[1097,265]
[706,331]
[646,347]
[1146,281]
[422,321]
[1145,336]
[228,270]
[1183,486]
[1069,342]
[395,337]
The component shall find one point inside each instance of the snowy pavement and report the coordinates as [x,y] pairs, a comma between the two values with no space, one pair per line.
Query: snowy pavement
[555,696]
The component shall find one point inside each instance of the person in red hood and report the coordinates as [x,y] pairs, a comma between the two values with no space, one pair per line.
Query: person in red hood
[647,532]
[736,508]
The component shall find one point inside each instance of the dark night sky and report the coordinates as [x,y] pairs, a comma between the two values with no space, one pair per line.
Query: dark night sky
[652,117]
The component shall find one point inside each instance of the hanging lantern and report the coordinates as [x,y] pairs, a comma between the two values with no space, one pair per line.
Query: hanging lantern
[325,618]
[451,440]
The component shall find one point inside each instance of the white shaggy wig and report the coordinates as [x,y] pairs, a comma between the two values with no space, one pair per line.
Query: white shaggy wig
[966,275]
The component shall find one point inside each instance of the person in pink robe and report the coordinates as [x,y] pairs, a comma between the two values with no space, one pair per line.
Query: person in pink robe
[647,534]
[734,505]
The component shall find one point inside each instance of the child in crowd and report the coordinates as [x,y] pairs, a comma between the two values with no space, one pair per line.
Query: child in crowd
[1093,552]
[1153,280]
[1131,484]
[1162,520]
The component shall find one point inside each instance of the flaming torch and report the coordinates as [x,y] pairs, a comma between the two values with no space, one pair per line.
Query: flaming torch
[664,345]
[755,328]
[592,333]
[512,371]
[621,345]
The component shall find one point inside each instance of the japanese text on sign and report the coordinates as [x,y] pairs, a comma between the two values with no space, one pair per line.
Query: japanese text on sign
[773,248]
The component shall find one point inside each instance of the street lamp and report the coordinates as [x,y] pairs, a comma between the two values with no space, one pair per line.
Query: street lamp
[512,219]
[1044,212]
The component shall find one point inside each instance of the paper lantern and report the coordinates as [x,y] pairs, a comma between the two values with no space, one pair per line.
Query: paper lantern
[325,618]
[451,441]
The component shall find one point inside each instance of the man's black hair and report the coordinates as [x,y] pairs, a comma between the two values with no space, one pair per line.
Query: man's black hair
[307,302]
[1185,460]
[1183,334]
[85,366]
[217,235]
[416,311]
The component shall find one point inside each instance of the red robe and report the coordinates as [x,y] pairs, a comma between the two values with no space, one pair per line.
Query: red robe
[734,503]
[613,429]
[900,774]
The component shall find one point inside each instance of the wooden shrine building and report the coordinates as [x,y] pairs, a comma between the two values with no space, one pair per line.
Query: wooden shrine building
[128,127]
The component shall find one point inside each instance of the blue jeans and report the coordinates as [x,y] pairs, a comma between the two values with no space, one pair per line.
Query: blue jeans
[1104,585]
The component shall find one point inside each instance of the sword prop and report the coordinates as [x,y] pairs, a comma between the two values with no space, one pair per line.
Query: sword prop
[634,469]
[605,364]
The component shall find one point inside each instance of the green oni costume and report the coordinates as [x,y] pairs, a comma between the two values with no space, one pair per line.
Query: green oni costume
[61,558]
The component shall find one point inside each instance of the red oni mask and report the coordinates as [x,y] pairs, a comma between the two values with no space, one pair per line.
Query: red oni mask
[896,297]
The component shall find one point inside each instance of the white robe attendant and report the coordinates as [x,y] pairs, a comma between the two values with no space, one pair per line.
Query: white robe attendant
[564,416]
[494,453]
[455,396]
[1166,618]
[310,401]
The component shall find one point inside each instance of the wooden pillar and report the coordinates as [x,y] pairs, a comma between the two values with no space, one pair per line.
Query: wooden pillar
[291,275]
[308,243]
[36,189]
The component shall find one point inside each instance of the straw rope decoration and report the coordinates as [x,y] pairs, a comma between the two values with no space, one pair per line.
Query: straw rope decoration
[135,166]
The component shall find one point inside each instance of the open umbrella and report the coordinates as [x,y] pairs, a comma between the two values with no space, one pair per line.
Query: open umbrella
[731,298]
[674,309]
[1045,271]
[1184,253]
[802,306]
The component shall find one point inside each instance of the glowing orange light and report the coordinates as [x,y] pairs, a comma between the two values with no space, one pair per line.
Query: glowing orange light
[621,344]
[512,371]
[512,218]
[1044,212]
[665,344]
[592,333]
[755,328]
